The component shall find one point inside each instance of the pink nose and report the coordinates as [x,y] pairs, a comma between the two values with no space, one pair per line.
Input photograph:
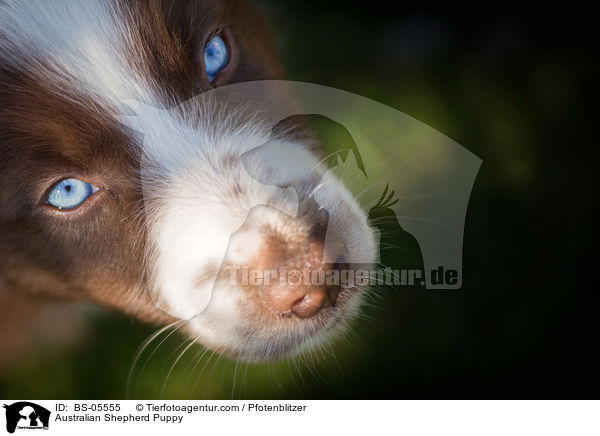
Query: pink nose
[298,289]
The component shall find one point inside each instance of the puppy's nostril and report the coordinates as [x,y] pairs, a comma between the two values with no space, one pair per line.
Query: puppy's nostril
[299,301]
[311,303]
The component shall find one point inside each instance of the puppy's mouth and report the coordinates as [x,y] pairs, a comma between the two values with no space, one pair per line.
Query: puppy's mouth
[261,330]
[296,335]
[322,311]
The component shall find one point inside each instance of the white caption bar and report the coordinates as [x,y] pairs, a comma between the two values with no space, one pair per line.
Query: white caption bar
[45,418]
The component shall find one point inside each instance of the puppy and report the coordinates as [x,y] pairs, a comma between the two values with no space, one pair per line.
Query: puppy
[90,209]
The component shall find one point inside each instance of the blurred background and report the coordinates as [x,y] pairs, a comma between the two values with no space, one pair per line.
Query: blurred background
[513,86]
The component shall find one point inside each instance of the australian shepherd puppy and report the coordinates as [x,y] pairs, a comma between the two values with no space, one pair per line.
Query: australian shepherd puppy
[90,209]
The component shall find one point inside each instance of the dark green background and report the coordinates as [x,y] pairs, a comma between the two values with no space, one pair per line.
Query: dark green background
[517,88]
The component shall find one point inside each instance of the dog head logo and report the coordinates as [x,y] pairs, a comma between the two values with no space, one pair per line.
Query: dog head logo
[26,415]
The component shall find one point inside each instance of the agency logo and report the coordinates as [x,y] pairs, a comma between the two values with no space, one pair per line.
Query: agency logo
[26,415]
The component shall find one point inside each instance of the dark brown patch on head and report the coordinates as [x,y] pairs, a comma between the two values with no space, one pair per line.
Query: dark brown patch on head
[168,37]
[95,251]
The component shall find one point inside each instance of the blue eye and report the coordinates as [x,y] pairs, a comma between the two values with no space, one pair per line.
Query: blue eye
[70,193]
[216,56]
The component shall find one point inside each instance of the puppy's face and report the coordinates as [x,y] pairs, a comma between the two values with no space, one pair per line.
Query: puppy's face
[152,217]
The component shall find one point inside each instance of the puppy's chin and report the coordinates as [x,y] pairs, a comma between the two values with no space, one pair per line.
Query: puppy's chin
[257,336]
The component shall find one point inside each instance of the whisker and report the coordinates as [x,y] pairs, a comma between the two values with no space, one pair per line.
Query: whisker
[199,376]
[234,379]
[197,360]
[143,347]
[192,342]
